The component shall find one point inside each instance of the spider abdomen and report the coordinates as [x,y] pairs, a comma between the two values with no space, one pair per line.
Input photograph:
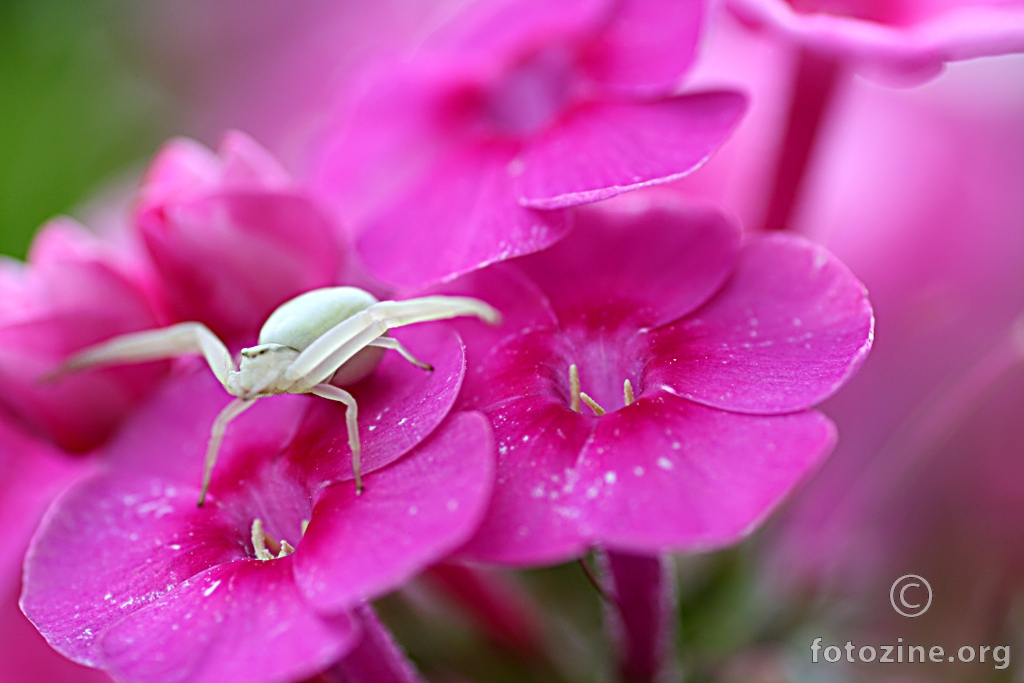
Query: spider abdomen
[299,322]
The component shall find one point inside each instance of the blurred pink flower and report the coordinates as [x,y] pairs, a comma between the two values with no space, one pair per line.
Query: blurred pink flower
[73,292]
[128,575]
[725,346]
[230,236]
[932,423]
[462,156]
[906,39]
[32,472]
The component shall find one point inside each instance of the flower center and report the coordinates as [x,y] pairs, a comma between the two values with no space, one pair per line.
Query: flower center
[266,547]
[576,396]
[531,94]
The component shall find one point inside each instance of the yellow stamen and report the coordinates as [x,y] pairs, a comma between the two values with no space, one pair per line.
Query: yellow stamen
[574,389]
[259,541]
[266,546]
[598,410]
[628,388]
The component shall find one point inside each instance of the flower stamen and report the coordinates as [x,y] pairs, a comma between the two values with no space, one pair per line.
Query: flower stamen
[574,389]
[598,410]
[577,397]
[265,546]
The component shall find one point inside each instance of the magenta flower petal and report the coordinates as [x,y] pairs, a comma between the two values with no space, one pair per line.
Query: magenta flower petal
[229,261]
[522,304]
[420,508]
[230,239]
[516,105]
[27,657]
[141,537]
[676,476]
[789,328]
[181,165]
[602,149]
[523,307]
[382,147]
[32,473]
[668,473]
[74,291]
[597,275]
[648,46]
[635,467]
[476,218]
[534,519]
[399,405]
[247,164]
[910,39]
[243,620]
[496,32]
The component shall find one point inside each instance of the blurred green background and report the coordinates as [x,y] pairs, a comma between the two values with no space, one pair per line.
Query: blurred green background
[73,112]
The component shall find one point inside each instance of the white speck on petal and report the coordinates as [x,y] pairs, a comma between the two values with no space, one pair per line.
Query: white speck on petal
[610,477]
[664,463]
[213,586]
[638,471]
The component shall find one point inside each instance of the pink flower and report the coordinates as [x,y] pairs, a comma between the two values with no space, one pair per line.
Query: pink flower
[230,237]
[462,156]
[128,575]
[726,346]
[73,292]
[929,476]
[909,39]
[32,473]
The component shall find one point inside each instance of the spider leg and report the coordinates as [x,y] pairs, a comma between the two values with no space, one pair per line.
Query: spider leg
[329,391]
[325,355]
[395,345]
[229,413]
[183,339]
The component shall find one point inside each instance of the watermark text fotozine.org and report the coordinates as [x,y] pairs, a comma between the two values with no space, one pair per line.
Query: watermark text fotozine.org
[998,656]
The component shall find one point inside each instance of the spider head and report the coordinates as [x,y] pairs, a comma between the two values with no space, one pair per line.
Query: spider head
[261,371]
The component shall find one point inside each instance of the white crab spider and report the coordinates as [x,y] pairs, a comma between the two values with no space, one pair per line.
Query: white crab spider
[314,344]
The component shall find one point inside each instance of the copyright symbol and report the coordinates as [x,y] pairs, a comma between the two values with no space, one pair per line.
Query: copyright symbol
[906,595]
